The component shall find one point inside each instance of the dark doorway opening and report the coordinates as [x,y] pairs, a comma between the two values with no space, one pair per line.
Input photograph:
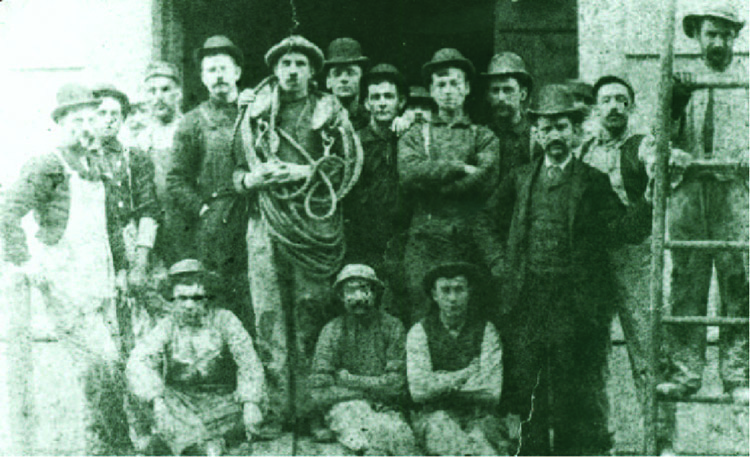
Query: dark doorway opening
[403,32]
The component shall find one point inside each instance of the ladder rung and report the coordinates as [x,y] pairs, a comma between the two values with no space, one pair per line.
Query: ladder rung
[710,245]
[722,399]
[705,320]
[719,82]
[714,165]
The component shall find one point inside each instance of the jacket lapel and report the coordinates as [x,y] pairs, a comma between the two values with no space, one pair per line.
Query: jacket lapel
[578,186]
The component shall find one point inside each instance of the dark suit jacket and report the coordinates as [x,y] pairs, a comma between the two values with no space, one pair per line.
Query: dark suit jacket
[503,227]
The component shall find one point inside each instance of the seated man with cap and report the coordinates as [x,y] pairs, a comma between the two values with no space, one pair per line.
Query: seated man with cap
[454,368]
[197,370]
[358,373]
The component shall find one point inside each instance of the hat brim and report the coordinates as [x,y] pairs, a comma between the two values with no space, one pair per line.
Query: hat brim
[451,270]
[232,51]
[63,109]
[396,79]
[431,67]
[120,96]
[208,279]
[314,55]
[524,79]
[376,282]
[577,114]
[357,61]
[691,23]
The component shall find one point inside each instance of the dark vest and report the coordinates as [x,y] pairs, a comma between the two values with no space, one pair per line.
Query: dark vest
[448,353]
[549,240]
[633,171]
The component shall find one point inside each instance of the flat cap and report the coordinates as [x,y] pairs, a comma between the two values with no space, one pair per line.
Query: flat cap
[719,9]
[71,96]
[359,271]
[162,68]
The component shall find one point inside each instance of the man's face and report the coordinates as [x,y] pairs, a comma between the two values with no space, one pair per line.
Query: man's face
[383,101]
[716,39]
[358,296]
[220,74]
[190,303]
[108,118]
[163,97]
[343,80]
[613,106]
[294,72]
[78,128]
[452,297]
[556,135]
[505,96]
[449,88]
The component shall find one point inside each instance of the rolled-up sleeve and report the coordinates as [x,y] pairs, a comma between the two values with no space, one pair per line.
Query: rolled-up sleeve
[250,378]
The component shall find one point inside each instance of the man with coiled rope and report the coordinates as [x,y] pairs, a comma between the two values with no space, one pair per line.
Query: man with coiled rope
[296,157]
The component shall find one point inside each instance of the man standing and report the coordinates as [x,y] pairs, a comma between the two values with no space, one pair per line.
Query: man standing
[344,68]
[358,372]
[509,87]
[209,213]
[197,370]
[454,367]
[448,168]
[296,158]
[556,286]
[74,268]
[713,125]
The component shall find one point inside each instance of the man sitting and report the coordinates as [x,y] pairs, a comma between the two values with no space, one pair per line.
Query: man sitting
[198,370]
[454,368]
[358,373]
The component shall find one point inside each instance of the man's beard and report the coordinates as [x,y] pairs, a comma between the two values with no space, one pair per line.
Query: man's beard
[564,149]
[718,58]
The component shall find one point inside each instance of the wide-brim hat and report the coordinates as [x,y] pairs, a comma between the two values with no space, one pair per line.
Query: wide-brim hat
[162,68]
[613,78]
[450,270]
[189,268]
[295,43]
[72,96]
[711,9]
[358,271]
[555,100]
[109,90]
[343,51]
[448,57]
[219,44]
[388,72]
[509,64]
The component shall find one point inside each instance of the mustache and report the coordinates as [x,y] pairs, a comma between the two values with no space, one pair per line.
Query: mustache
[554,143]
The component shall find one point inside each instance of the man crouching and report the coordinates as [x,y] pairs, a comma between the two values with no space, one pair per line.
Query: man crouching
[358,372]
[198,370]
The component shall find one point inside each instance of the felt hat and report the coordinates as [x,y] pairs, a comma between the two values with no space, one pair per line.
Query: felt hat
[218,44]
[295,43]
[451,270]
[189,268]
[581,89]
[719,9]
[510,64]
[613,78]
[555,100]
[109,90]
[448,57]
[418,93]
[387,72]
[71,96]
[344,51]
[359,271]
[162,68]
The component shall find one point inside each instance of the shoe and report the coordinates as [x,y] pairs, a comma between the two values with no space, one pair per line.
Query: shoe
[675,390]
[741,395]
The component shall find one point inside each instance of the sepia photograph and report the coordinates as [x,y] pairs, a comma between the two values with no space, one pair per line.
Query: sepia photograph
[374,227]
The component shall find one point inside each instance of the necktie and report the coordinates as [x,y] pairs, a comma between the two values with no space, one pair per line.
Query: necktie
[554,174]
[708,126]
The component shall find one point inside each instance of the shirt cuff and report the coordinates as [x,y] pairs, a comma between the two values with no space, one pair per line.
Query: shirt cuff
[147,232]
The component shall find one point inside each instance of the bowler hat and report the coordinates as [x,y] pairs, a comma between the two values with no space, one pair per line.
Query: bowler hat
[71,96]
[385,71]
[714,9]
[295,43]
[162,68]
[218,44]
[451,270]
[448,57]
[344,51]
[510,64]
[108,90]
[581,89]
[555,100]
[613,78]
[359,271]
[418,93]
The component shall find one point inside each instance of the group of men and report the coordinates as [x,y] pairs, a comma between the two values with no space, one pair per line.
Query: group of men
[295,235]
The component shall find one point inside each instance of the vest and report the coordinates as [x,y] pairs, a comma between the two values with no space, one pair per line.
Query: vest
[549,240]
[448,353]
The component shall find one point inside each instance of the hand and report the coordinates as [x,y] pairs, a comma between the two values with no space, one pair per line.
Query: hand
[203,210]
[137,277]
[471,169]
[680,159]
[160,407]
[685,79]
[252,418]
[246,97]
[283,173]
[402,123]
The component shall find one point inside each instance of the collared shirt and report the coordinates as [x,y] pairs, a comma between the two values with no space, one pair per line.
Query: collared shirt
[515,142]
[188,357]
[157,140]
[425,384]
[549,163]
